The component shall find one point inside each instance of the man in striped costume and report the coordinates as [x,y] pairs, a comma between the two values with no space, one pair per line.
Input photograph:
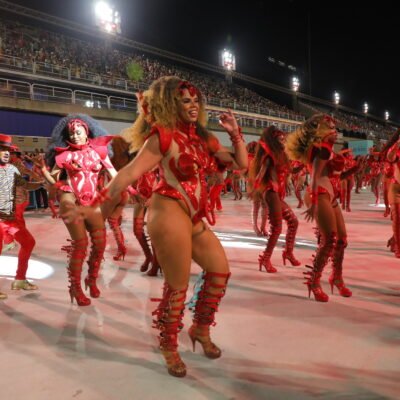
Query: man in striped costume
[10,222]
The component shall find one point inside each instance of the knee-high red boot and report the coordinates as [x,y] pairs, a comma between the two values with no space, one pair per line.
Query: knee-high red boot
[292,225]
[98,238]
[169,315]
[275,222]
[76,255]
[115,225]
[209,297]
[336,278]
[138,230]
[27,242]
[313,277]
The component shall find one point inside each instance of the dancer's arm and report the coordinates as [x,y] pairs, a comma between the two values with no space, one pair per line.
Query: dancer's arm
[240,158]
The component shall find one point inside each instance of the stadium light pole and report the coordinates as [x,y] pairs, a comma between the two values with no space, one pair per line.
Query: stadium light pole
[387,115]
[336,98]
[365,108]
[295,82]
[227,60]
[107,18]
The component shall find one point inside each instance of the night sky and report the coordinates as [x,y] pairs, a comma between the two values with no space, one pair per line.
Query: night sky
[353,50]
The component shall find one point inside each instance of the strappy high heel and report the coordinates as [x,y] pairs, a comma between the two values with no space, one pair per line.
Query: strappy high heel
[266,263]
[292,259]
[201,334]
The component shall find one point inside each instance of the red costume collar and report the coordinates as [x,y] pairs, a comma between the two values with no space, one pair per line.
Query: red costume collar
[188,128]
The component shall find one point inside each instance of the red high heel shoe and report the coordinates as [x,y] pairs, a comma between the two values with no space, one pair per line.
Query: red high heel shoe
[201,334]
[266,263]
[90,283]
[338,282]
[313,284]
[121,253]
[77,294]
[289,256]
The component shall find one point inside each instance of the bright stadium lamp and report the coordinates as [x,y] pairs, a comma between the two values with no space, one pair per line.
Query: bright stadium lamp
[365,108]
[107,17]
[103,11]
[387,115]
[336,97]
[227,60]
[295,83]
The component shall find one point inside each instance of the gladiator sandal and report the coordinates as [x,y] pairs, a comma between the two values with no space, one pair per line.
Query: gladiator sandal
[98,238]
[76,253]
[312,278]
[115,225]
[275,230]
[336,278]
[396,228]
[138,230]
[254,215]
[292,224]
[208,298]
[169,315]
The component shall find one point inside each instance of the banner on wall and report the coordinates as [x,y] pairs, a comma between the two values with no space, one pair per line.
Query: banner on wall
[360,147]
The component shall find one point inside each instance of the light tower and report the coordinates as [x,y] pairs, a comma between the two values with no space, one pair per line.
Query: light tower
[336,98]
[227,60]
[387,115]
[107,18]
[365,108]
[295,87]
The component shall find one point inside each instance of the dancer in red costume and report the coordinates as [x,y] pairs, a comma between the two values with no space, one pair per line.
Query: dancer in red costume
[11,216]
[388,179]
[184,151]
[375,173]
[267,176]
[257,199]
[236,184]
[298,175]
[393,156]
[76,156]
[312,144]
[347,183]
[216,189]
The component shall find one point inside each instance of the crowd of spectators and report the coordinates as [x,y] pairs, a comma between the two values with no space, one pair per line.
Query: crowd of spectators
[71,58]
[354,125]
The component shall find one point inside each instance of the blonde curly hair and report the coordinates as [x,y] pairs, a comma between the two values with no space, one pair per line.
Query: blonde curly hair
[309,133]
[160,105]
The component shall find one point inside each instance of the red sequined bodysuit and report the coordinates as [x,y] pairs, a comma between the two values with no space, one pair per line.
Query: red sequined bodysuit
[187,159]
[82,164]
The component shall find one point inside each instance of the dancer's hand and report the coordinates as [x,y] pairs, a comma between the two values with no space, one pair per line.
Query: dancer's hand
[228,121]
[310,213]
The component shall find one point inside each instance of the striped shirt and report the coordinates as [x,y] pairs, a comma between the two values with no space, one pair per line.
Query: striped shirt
[10,178]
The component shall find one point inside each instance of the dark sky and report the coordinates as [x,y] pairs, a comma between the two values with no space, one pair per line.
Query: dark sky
[354,47]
